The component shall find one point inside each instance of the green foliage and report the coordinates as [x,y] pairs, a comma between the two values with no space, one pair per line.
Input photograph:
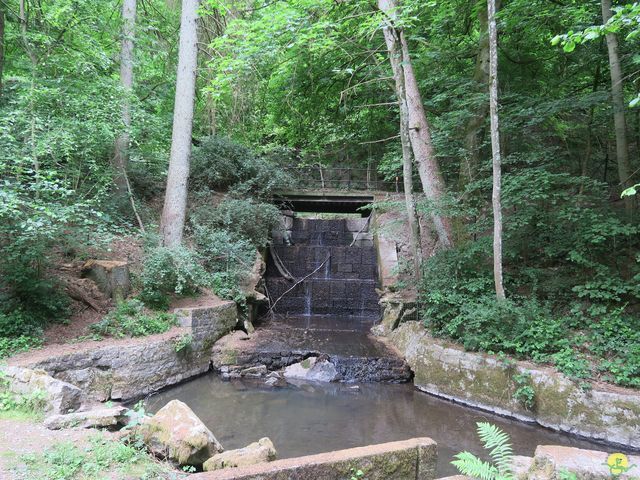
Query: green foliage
[68,461]
[221,164]
[130,319]
[500,451]
[524,393]
[171,271]
[183,343]
[569,266]
[243,218]
[12,345]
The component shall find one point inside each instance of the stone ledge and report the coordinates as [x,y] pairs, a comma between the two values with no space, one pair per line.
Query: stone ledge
[408,459]
[130,368]
[605,413]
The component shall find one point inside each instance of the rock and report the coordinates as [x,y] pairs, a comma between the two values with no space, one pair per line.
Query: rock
[112,277]
[249,283]
[549,460]
[257,371]
[176,434]
[258,452]
[59,397]
[520,466]
[98,418]
[312,369]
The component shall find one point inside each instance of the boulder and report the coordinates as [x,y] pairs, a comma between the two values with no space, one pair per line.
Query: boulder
[258,452]
[112,277]
[99,418]
[176,434]
[312,369]
[58,397]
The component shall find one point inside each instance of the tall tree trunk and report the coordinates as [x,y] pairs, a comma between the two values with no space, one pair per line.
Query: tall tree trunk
[470,162]
[617,94]
[175,200]
[395,57]
[419,131]
[1,47]
[121,151]
[495,148]
[422,146]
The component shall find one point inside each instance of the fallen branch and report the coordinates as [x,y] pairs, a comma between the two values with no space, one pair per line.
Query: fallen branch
[361,230]
[298,283]
[77,294]
[279,265]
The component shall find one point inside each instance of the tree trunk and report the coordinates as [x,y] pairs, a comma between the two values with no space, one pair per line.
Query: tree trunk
[495,148]
[175,200]
[121,151]
[395,57]
[419,131]
[470,162]
[1,47]
[617,94]
[423,152]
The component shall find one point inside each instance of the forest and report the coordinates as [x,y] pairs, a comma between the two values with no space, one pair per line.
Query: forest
[119,120]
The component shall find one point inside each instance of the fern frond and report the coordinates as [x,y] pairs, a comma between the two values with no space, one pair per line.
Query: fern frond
[497,441]
[468,464]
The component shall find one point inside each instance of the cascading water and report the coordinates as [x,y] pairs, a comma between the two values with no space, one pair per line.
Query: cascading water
[345,273]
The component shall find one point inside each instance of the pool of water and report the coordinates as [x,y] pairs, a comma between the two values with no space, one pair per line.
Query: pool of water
[308,419]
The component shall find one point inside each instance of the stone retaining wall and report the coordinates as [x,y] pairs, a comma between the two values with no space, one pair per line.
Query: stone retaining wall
[133,368]
[603,413]
[409,459]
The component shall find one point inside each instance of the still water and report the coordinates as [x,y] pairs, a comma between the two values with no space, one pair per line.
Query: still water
[322,417]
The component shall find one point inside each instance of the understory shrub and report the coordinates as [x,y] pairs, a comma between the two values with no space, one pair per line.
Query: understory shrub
[221,164]
[570,273]
[171,271]
[130,319]
[245,219]
[226,258]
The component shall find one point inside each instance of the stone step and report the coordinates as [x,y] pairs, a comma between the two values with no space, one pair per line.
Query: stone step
[325,296]
[344,262]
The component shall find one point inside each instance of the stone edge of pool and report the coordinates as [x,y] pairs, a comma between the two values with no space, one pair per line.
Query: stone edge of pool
[415,458]
[602,412]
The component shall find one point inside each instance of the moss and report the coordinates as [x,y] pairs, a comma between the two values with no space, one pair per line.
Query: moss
[230,357]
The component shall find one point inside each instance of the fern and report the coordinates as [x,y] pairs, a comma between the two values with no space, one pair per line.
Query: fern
[500,450]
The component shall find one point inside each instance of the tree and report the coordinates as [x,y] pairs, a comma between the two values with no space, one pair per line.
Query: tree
[395,57]
[121,151]
[1,46]
[419,131]
[495,148]
[617,97]
[469,164]
[175,200]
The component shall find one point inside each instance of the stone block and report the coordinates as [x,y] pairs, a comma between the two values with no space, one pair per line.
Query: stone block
[112,277]
[257,452]
[408,459]
[113,417]
[549,460]
[602,413]
[60,397]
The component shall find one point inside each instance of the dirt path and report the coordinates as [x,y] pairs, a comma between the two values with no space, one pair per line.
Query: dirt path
[20,437]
